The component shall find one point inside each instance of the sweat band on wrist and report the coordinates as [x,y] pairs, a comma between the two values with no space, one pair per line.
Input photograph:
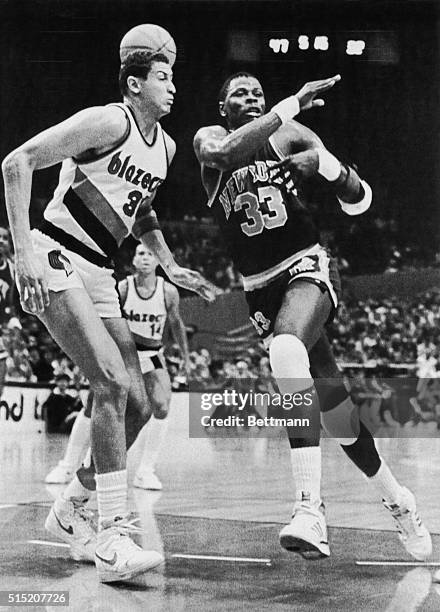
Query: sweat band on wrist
[287,109]
[359,207]
[329,165]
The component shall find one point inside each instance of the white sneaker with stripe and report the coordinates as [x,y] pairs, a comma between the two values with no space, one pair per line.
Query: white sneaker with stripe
[306,533]
[412,532]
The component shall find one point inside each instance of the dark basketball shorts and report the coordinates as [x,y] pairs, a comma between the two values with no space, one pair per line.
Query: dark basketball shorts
[316,266]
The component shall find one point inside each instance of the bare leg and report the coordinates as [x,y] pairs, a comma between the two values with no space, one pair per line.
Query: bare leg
[72,321]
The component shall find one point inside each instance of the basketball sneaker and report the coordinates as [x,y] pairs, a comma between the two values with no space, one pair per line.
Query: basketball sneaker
[61,474]
[306,533]
[72,522]
[412,532]
[147,480]
[117,557]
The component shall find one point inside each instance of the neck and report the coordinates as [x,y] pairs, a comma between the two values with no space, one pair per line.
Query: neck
[144,118]
[145,280]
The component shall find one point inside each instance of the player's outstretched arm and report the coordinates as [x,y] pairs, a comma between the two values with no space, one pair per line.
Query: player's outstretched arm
[216,148]
[93,128]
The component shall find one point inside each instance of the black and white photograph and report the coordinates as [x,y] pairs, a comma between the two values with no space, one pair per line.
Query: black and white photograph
[220,305]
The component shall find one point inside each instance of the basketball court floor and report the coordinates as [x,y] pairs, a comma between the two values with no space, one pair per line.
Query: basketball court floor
[217,521]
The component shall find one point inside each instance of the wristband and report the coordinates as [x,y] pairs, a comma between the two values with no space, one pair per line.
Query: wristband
[329,165]
[287,109]
[359,207]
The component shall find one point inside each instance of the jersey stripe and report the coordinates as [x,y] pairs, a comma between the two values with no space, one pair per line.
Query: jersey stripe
[89,223]
[99,205]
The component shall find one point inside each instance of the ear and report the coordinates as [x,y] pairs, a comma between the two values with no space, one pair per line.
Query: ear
[221,109]
[133,84]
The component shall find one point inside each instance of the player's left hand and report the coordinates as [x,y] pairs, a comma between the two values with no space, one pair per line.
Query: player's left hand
[294,168]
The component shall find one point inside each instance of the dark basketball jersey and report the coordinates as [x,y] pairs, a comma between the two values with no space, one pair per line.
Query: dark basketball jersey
[263,223]
[6,286]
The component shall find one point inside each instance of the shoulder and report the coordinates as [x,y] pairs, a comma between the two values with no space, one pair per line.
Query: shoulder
[293,137]
[209,131]
[171,295]
[111,118]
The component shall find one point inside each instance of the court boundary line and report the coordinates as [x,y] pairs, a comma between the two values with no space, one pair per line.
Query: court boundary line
[390,563]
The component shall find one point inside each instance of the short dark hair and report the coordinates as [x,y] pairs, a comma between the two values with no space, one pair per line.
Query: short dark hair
[138,64]
[224,88]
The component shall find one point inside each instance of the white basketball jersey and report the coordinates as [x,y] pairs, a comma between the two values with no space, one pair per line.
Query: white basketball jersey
[98,199]
[146,316]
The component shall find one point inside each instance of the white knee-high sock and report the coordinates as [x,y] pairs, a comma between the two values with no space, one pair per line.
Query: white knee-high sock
[291,368]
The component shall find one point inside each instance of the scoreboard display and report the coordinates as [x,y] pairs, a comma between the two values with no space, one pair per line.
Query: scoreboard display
[371,46]
[378,46]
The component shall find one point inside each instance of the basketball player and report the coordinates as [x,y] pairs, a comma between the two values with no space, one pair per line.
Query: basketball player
[148,301]
[6,298]
[252,172]
[114,159]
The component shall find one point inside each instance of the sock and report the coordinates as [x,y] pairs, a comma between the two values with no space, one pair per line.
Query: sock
[363,452]
[76,489]
[306,468]
[111,489]
[153,435]
[79,440]
[386,484]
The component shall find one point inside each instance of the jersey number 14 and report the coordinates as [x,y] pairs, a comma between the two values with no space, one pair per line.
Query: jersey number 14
[266,211]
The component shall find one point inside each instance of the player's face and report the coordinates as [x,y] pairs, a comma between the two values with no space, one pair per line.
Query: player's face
[4,241]
[244,101]
[144,261]
[157,90]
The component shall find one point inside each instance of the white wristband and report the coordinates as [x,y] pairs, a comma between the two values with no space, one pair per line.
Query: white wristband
[287,109]
[329,166]
[359,207]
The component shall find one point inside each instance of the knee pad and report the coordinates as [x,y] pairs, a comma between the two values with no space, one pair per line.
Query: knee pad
[290,363]
[342,422]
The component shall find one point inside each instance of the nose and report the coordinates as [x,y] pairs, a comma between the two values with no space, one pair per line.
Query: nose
[171,87]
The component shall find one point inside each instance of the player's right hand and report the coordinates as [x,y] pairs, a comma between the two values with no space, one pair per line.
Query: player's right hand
[307,94]
[31,282]
[194,281]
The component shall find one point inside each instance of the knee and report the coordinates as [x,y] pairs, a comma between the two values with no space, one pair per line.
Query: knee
[111,378]
[288,357]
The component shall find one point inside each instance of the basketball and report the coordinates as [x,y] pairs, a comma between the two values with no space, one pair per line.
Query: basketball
[148,37]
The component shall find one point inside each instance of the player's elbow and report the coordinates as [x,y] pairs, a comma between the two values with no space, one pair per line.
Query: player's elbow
[218,155]
[14,163]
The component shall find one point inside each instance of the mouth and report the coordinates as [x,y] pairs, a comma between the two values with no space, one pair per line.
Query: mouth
[253,111]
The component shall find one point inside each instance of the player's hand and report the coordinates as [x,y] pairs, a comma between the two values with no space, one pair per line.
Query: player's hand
[295,167]
[308,92]
[194,281]
[31,282]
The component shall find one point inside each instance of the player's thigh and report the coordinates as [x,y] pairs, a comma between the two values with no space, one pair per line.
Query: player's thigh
[137,397]
[158,388]
[72,321]
[304,311]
